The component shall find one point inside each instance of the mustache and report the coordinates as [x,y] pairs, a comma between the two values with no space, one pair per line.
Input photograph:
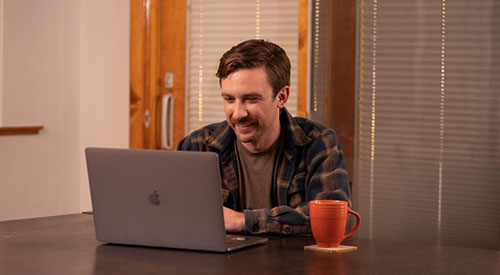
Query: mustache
[244,120]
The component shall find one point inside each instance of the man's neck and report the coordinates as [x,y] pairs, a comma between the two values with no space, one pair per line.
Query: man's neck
[263,145]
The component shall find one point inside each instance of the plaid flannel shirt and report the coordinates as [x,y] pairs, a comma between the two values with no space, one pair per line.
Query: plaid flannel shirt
[310,167]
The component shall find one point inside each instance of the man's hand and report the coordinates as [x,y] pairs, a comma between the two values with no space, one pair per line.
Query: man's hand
[233,221]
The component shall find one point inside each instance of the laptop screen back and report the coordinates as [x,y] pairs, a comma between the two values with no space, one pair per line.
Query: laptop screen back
[157,198]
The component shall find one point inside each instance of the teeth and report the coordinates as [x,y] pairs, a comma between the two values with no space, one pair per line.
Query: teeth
[245,125]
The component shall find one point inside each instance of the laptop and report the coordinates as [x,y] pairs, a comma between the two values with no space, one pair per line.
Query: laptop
[160,198]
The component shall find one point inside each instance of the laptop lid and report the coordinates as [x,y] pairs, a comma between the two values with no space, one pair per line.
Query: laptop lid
[157,198]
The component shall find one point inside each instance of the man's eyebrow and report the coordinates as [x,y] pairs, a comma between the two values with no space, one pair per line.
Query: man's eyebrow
[258,95]
[253,95]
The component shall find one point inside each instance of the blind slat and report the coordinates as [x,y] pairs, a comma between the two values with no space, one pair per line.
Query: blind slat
[433,161]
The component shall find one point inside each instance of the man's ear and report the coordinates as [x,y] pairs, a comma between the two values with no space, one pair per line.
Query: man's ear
[282,96]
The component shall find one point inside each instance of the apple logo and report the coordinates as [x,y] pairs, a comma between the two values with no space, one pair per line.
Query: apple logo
[154,198]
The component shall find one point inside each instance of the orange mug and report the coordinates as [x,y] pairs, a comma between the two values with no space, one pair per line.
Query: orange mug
[328,222]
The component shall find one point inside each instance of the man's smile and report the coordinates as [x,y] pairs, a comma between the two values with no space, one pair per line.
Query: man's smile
[244,123]
[245,126]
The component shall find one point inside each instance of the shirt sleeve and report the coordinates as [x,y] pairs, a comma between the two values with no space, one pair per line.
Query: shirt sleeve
[192,142]
[184,144]
[326,179]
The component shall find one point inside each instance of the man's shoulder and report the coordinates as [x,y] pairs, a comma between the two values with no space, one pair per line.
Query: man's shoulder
[321,137]
[197,139]
[207,130]
[312,128]
[322,140]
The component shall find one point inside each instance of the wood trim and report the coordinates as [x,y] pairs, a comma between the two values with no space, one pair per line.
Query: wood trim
[153,81]
[20,130]
[173,59]
[149,24]
[138,98]
[302,59]
[144,71]
[342,71]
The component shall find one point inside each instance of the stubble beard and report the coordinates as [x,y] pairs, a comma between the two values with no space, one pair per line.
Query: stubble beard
[245,122]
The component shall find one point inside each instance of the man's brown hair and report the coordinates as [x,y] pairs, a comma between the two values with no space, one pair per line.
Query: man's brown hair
[255,53]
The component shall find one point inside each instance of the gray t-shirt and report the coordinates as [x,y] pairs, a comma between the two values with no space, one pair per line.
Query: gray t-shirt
[257,177]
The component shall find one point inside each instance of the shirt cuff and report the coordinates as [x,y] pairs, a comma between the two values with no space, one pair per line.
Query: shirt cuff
[255,221]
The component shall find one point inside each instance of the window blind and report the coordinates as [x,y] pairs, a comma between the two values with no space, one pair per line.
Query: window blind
[217,25]
[428,163]
[318,103]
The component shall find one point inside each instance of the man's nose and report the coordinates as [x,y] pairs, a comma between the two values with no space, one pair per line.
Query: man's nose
[240,111]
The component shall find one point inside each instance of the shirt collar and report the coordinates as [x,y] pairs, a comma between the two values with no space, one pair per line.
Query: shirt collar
[222,139]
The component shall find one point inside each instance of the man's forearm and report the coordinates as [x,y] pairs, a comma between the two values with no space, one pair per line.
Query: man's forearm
[281,219]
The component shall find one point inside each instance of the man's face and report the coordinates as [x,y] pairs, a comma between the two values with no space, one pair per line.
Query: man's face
[251,110]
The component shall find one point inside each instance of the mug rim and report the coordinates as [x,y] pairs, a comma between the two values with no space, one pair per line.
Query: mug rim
[328,202]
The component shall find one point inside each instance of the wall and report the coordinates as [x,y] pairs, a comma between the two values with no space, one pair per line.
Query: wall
[66,67]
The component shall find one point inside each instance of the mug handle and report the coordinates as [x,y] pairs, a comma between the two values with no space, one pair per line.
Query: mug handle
[357,223]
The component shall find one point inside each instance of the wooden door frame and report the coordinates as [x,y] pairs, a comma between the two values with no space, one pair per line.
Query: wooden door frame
[342,80]
[139,53]
[157,28]
[142,52]
[302,62]
[173,60]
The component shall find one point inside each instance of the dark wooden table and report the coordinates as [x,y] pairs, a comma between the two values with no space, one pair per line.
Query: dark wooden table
[67,245]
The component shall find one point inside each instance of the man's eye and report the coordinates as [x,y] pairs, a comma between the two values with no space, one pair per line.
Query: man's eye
[228,99]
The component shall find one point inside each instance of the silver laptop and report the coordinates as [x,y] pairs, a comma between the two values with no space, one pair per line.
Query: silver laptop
[160,198]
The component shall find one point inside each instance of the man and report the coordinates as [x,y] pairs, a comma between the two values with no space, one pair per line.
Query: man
[272,165]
